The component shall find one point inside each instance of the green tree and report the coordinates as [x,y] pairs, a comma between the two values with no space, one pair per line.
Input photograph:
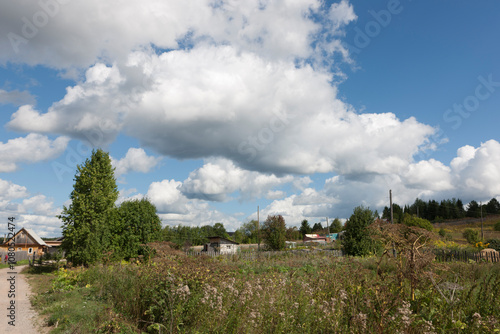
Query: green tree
[238,236]
[493,206]
[88,220]
[250,231]
[317,227]
[473,209]
[292,233]
[410,220]
[274,232]
[305,228]
[137,224]
[357,240]
[336,226]
[219,231]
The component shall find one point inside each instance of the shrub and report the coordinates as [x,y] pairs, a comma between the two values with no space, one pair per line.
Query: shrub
[472,236]
[410,220]
[494,243]
[442,232]
[497,226]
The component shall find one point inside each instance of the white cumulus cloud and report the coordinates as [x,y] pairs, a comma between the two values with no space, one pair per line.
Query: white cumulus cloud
[136,160]
[30,149]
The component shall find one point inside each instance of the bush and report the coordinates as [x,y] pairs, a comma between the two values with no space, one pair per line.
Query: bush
[410,220]
[494,243]
[442,232]
[497,226]
[472,236]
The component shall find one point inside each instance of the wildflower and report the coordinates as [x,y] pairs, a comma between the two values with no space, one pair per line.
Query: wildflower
[476,319]
[360,319]
[428,327]
[405,313]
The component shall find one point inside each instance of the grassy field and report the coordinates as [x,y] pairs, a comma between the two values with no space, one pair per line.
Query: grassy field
[457,227]
[311,293]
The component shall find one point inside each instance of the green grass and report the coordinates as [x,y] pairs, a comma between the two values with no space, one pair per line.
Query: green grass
[19,263]
[312,293]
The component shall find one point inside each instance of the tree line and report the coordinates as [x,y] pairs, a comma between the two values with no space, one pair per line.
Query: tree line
[435,211]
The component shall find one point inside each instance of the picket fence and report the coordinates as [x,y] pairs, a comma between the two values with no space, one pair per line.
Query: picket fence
[441,255]
[253,255]
[465,256]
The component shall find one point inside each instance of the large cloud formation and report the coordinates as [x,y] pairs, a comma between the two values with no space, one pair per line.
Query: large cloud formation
[249,86]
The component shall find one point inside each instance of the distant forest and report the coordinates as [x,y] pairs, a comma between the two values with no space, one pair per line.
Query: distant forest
[435,211]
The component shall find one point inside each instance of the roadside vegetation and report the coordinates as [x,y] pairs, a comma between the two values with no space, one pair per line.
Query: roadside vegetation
[306,292]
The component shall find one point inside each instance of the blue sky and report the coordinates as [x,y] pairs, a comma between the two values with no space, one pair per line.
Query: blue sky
[211,108]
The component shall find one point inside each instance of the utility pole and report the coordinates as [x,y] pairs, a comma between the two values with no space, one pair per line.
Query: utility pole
[258,229]
[390,201]
[327,229]
[482,233]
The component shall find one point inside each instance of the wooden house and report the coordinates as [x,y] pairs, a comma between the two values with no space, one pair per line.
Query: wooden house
[26,240]
[221,245]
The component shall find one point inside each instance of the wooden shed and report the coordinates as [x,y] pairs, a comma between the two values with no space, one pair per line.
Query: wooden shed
[221,245]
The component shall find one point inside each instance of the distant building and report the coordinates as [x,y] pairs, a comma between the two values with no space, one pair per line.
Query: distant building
[221,245]
[336,236]
[316,239]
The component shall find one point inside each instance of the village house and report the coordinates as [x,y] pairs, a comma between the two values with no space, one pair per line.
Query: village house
[26,240]
[315,239]
[221,245]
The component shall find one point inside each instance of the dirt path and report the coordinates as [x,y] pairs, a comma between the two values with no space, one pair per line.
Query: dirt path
[23,316]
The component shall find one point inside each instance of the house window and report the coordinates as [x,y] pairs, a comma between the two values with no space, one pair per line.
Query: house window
[228,246]
[30,250]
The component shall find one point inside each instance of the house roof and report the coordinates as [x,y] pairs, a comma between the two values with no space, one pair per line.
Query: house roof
[216,237]
[36,237]
[32,234]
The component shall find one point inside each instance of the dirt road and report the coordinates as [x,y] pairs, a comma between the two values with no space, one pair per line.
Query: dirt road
[15,306]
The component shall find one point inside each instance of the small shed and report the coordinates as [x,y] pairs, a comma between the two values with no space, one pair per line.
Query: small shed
[221,245]
[54,245]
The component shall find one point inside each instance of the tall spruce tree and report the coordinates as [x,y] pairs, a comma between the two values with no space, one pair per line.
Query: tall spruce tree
[88,221]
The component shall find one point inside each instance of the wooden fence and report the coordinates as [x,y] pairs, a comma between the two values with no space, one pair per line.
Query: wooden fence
[20,255]
[441,255]
[253,255]
[465,256]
